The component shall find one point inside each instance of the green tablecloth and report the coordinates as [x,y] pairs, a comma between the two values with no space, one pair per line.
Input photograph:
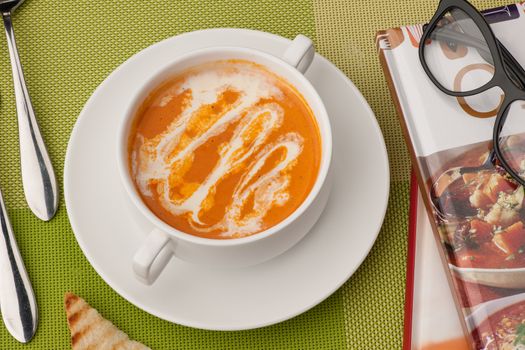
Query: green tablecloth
[69,47]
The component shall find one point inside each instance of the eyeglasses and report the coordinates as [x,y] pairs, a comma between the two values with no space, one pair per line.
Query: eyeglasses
[458,39]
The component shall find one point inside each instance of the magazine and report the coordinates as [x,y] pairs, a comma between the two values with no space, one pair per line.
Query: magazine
[428,298]
[475,209]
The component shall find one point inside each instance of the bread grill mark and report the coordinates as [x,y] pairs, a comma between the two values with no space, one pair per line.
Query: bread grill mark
[89,330]
[77,315]
[76,338]
[159,163]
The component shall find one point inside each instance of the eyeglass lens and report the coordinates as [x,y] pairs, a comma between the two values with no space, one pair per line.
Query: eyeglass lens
[455,47]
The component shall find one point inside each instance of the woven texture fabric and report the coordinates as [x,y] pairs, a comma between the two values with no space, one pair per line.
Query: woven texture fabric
[69,47]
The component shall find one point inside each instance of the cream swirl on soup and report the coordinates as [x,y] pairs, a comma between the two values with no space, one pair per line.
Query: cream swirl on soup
[224,150]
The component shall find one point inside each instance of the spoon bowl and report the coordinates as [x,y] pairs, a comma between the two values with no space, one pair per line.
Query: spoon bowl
[38,177]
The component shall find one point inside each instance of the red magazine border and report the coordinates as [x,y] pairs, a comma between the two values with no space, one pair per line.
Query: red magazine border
[411,261]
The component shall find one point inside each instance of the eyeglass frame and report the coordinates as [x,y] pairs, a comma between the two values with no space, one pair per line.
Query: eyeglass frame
[502,59]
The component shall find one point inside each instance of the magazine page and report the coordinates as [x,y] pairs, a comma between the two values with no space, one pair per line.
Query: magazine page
[476,209]
[429,300]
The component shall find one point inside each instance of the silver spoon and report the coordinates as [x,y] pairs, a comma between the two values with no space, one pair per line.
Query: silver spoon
[17,299]
[38,177]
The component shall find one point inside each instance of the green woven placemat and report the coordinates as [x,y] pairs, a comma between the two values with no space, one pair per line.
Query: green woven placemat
[68,48]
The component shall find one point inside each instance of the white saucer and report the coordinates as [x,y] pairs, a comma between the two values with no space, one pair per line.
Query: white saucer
[228,299]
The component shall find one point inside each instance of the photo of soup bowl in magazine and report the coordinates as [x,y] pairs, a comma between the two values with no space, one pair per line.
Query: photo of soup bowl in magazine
[479,214]
[479,211]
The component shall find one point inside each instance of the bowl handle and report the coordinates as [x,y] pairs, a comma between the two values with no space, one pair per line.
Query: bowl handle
[152,257]
[300,53]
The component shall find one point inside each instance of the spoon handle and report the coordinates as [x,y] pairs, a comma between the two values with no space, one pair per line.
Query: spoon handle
[17,300]
[38,177]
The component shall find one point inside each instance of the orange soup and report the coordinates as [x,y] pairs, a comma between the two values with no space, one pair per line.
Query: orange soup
[225,149]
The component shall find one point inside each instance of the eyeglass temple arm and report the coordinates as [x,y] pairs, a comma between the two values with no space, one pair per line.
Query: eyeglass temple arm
[512,65]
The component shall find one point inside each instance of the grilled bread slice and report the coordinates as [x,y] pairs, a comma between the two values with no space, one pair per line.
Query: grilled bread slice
[89,330]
